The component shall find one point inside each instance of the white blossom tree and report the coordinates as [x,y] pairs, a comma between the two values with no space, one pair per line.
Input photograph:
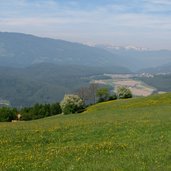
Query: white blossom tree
[123,92]
[71,104]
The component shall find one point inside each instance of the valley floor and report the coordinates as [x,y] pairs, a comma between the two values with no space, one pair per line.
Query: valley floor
[120,135]
[137,87]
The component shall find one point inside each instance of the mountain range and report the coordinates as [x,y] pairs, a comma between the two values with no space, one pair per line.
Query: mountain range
[35,69]
[21,50]
[160,69]
[136,58]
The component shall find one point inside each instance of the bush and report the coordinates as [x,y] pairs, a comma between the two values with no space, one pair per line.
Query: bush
[124,92]
[55,109]
[113,97]
[71,104]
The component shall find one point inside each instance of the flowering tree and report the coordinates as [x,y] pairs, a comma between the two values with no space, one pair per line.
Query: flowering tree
[71,104]
[124,92]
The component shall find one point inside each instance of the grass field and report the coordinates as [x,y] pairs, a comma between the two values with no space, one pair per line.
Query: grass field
[120,135]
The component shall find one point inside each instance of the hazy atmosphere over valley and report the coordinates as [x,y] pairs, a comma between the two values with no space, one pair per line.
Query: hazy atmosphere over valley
[47,46]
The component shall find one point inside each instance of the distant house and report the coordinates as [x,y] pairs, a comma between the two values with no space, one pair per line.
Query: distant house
[19,117]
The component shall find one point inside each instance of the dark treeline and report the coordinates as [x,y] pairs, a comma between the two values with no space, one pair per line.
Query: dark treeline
[7,114]
[29,113]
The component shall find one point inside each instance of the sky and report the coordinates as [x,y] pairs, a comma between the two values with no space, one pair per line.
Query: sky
[142,23]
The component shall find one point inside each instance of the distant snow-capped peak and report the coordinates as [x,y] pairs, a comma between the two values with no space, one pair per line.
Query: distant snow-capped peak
[130,47]
[111,46]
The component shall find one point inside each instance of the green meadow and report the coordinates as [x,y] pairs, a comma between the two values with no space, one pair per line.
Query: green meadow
[121,135]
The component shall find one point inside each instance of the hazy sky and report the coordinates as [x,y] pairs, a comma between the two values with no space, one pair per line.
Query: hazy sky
[143,23]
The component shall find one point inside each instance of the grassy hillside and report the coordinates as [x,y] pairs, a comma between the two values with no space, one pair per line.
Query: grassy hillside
[132,134]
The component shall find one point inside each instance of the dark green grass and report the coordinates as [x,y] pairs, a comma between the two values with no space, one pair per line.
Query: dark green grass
[132,134]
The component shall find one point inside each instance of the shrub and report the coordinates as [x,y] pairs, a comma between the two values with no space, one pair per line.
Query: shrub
[124,92]
[55,108]
[71,104]
[113,96]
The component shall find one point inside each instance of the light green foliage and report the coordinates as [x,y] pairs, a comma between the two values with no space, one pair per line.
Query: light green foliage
[71,104]
[122,135]
[103,94]
[123,92]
